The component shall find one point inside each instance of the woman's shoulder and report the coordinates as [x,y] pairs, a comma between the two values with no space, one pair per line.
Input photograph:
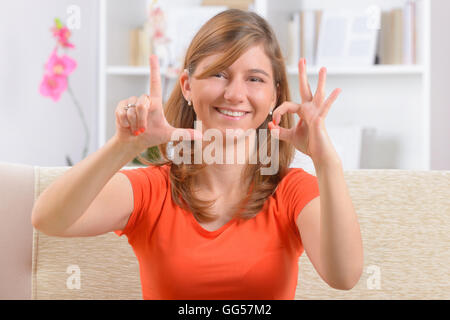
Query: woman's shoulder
[150,171]
[296,173]
[295,177]
[149,168]
[163,169]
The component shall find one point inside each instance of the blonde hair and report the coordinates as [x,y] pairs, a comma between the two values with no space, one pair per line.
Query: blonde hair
[230,32]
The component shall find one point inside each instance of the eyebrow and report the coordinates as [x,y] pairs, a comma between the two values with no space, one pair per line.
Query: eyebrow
[250,70]
[258,71]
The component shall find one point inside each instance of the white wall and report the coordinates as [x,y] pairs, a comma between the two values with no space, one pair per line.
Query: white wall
[33,129]
[439,86]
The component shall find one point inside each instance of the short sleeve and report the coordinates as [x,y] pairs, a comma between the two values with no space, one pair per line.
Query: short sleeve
[149,191]
[299,188]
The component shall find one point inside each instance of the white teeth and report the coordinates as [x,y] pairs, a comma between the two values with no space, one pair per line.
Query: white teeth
[230,113]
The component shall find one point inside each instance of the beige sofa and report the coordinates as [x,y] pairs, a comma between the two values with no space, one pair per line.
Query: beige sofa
[404,218]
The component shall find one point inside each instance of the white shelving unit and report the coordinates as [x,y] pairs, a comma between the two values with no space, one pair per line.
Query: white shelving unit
[392,102]
[292,70]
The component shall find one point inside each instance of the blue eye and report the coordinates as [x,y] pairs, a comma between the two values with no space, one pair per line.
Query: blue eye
[252,78]
[257,79]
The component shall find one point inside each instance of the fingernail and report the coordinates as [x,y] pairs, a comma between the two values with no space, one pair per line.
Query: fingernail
[136,133]
[142,130]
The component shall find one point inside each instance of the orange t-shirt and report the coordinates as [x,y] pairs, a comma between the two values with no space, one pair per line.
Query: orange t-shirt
[243,260]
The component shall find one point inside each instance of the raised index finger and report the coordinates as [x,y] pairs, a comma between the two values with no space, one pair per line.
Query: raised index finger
[305,90]
[155,78]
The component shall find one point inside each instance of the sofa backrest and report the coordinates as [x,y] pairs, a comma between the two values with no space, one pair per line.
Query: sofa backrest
[404,218]
[405,226]
[16,231]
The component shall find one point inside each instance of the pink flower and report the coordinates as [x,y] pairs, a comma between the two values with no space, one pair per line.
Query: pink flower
[57,69]
[62,35]
[53,86]
[60,66]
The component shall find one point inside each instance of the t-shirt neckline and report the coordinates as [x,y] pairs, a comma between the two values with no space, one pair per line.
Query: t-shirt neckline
[207,233]
[214,233]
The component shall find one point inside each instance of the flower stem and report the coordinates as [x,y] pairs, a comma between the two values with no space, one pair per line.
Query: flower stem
[80,112]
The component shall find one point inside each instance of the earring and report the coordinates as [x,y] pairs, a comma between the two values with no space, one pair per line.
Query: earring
[189,103]
[270,113]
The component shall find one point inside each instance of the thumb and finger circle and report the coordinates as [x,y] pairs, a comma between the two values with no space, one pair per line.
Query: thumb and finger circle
[287,106]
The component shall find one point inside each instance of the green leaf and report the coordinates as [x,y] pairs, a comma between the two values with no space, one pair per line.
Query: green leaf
[151,154]
[58,23]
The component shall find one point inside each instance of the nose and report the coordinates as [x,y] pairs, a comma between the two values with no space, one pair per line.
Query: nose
[235,91]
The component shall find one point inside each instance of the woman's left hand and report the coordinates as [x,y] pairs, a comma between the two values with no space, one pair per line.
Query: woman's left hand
[310,135]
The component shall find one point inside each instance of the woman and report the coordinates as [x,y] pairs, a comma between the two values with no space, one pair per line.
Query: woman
[221,230]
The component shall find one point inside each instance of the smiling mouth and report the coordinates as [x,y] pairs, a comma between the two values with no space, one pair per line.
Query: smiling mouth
[231,114]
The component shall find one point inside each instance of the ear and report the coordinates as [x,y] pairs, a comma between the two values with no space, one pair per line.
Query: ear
[185,85]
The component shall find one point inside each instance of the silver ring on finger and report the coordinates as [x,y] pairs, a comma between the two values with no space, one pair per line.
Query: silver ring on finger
[128,106]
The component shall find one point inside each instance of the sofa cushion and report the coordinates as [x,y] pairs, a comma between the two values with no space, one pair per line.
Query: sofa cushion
[101,267]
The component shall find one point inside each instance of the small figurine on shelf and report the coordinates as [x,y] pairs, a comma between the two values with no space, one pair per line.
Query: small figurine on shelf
[150,38]
[156,27]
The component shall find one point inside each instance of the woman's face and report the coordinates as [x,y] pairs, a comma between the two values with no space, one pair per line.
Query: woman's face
[246,86]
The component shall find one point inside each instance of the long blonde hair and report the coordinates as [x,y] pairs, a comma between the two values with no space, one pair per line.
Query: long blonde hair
[230,32]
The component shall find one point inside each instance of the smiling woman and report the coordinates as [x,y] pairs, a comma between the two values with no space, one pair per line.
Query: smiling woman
[233,64]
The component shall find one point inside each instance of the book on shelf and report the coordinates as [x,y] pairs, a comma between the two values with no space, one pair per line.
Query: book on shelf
[303,28]
[231,4]
[348,37]
[309,28]
[140,47]
[134,47]
[399,35]
[294,50]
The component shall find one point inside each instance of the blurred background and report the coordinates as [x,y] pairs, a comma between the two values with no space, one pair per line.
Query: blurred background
[65,64]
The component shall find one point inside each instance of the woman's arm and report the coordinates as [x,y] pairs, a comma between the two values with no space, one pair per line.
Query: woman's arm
[341,250]
[68,198]
[339,255]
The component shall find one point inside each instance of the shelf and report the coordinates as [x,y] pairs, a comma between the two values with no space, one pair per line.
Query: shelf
[128,70]
[292,70]
[132,71]
[372,70]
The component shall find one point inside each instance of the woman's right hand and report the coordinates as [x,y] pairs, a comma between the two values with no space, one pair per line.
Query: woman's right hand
[146,124]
